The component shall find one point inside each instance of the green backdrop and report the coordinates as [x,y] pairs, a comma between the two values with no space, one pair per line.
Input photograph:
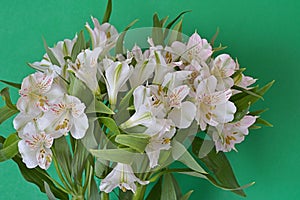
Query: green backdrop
[263,34]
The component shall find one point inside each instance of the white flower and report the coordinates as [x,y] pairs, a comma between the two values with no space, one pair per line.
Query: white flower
[196,49]
[121,176]
[142,104]
[103,36]
[67,114]
[227,135]
[161,135]
[86,67]
[116,75]
[36,90]
[222,68]
[34,147]
[213,106]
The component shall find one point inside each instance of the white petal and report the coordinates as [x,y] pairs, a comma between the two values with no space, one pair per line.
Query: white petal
[79,126]
[183,116]
[28,155]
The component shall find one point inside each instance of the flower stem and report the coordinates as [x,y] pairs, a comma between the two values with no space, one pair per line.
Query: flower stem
[140,192]
[104,196]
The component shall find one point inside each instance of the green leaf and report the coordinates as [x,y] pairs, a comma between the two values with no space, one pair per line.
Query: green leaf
[242,100]
[137,142]
[107,12]
[9,147]
[50,54]
[258,112]
[213,39]
[168,189]
[100,168]
[79,161]
[6,97]
[220,167]
[120,42]
[157,31]
[176,186]
[61,151]
[180,153]
[173,22]
[93,193]
[78,89]
[155,193]
[247,91]
[38,176]
[50,195]
[16,85]
[187,195]
[114,155]
[5,113]
[78,46]
[176,33]
[263,122]
[110,124]
[99,107]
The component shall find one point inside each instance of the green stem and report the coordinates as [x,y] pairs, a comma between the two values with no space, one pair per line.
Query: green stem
[140,192]
[104,196]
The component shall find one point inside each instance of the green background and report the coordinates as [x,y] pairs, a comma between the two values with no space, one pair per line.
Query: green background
[262,34]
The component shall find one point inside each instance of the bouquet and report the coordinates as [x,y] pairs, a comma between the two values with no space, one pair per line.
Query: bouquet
[113,120]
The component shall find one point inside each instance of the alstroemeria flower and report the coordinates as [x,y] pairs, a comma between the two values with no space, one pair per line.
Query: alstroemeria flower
[227,135]
[35,92]
[223,67]
[121,176]
[116,76]
[86,67]
[67,114]
[103,36]
[143,109]
[34,147]
[196,49]
[161,135]
[213,106]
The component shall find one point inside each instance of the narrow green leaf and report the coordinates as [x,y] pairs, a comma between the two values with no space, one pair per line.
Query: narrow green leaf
[50,54]
[220,167]
[114,155]
[93,193]
[187,195]
[176,186]
[120,42]
[78,89]
[180,153]
[79,161]
[135,141]
[247,91]
[155,193]
[48,191]
[38,176]
[78,46]
[9,147]
[16,85]
[157,31]
[176,34]
[168,189]
[107,12]
[6,97]
[99,107]
[61,151]
[6,113]
[110,124]
[168,27]
[213,39]
[163,21]
[263,122]
[258,112]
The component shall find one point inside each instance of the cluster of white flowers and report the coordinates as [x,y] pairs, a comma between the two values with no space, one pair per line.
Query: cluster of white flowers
[173,86]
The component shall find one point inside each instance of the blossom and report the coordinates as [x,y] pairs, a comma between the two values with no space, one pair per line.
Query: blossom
[161,135]
[223,67]
[143,109]
[116,75]
[86,67]
[121,176]
[227,135]
[34,146]
[213,106]
[67,114]
[103,36]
